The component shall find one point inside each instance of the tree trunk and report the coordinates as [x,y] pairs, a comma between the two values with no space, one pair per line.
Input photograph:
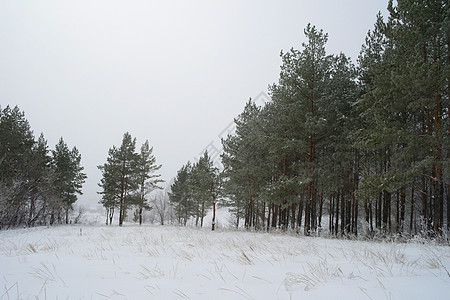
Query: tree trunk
[448,210]
[161,217]
[121,208]
[349,212]
[411,220]
[31,214]
[321,200]
[402,208]
[356,172]
[343,212]
[293,218]
[423,195]
[438,196]
[263,214]
[308,209]
[274,216]
[111,215]
[213,224]
[336,226]
[67,215]
[378,210]
[386,211]
[202,214]
[356,205]
[331,216]
[397,213]
[300,209]
[367,216]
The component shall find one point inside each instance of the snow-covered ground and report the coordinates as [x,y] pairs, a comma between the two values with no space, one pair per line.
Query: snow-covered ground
[167,262]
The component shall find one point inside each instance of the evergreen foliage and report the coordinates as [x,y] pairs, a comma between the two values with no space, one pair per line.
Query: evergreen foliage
[195,190]
[127,178]
[180,195]
[68,175]
[147,180]
[36,188]
[346,140]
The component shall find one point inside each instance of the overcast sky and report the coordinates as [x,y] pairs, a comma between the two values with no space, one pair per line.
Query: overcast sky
[173,72]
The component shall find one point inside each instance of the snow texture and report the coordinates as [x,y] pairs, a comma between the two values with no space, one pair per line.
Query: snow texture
[166,262]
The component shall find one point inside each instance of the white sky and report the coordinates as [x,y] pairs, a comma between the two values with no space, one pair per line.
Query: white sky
[173,72]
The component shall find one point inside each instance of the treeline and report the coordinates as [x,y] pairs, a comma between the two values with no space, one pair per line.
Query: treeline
[127,178]
[365,145]
[38,186]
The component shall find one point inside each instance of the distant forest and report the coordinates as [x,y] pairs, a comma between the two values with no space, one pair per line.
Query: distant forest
[364,145]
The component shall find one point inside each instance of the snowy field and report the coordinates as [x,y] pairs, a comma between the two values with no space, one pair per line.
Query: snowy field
[165,262]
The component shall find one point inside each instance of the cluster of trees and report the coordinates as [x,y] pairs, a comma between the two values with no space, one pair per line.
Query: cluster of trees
[371,138]
[195,190]
[127,178]
[37,185]
[365,144]
[289,158]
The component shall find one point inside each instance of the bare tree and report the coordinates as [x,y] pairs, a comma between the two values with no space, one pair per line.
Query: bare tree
[161,205]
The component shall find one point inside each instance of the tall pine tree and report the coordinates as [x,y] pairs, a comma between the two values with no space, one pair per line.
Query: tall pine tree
[147,179]
[69,177]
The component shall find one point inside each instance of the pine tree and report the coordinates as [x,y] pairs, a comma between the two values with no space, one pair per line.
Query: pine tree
[120,181]
[147,180]
[69,178]
[180,195]
[127,158]
[195,189]
[203,177]
[245,168]
[419,34]
[338,137]
[127,177]
[405,76]
[338,160]
[110,183]
[41,181]
[300,95]
[366,140]
[33,184]
[16,143]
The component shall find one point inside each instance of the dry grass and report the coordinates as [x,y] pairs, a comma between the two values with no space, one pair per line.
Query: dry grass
[9,290]
[227,261]
[147,273]
[317,274]
[47,273]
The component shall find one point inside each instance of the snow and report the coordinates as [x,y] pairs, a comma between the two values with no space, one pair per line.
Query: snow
[168,262]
